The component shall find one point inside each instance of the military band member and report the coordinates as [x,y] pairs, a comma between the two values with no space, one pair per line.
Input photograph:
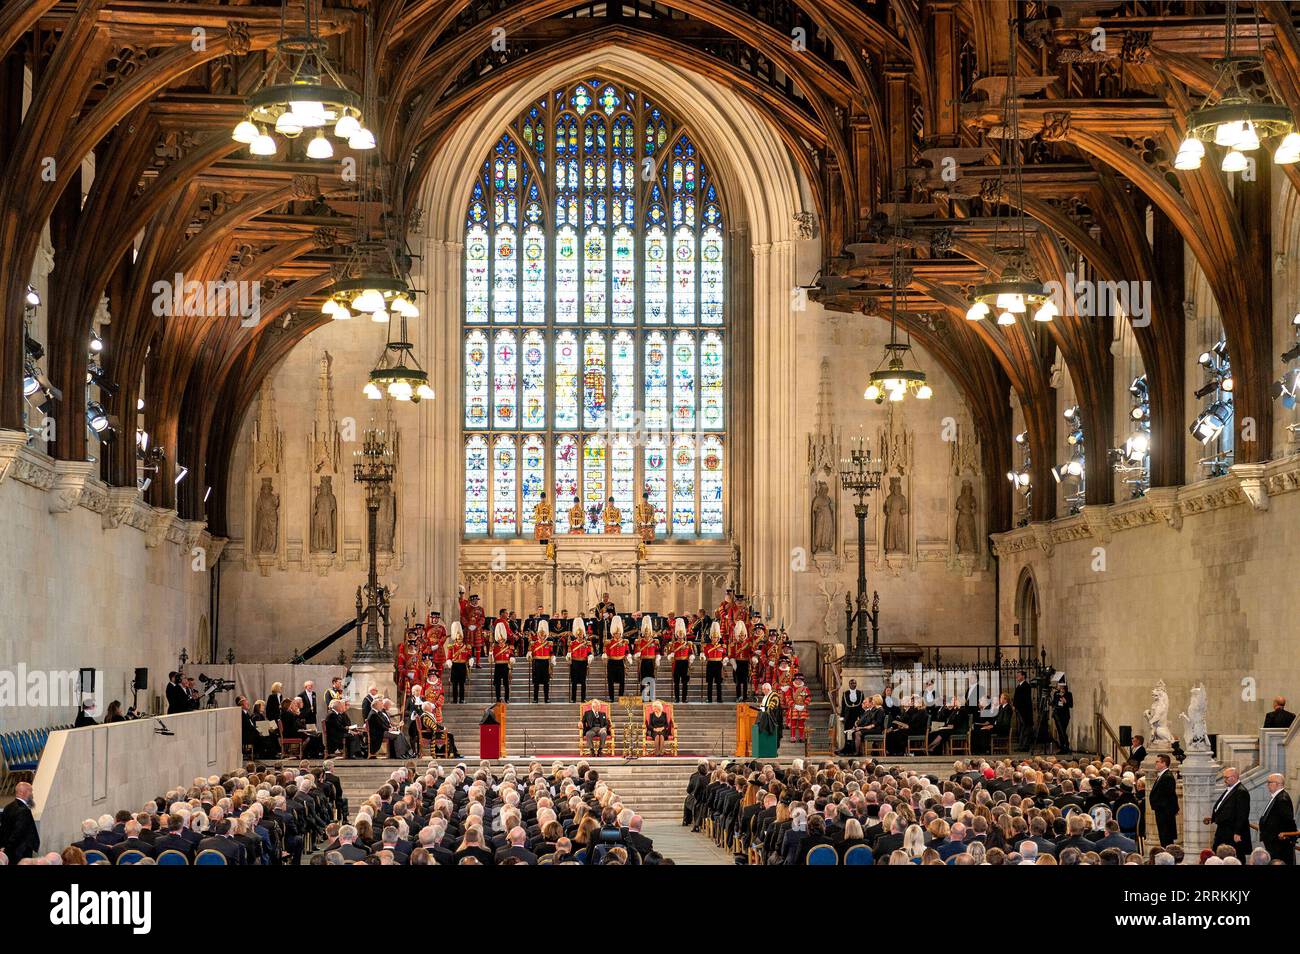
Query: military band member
[543,520]
[334,692]
[647,650]
[800,700]
[714,656]
[579,653]
[460,656]
[502,658]
[616,650]
[577,519]
[472,622]
[681,653]
[613,517]
[741,653]
[643,516]
[541,652]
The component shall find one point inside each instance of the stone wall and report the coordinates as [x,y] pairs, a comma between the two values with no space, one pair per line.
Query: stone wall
[1186,584]
[91,577]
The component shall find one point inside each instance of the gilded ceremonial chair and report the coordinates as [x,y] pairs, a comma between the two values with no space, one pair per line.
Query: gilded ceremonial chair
[172,857]
[822,855]
[129,857]
[210,856]
[94,857]
[858,855]
[287,743]
[671,742]
[609,739]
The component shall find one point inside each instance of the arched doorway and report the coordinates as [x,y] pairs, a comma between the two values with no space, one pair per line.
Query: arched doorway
[1027,609]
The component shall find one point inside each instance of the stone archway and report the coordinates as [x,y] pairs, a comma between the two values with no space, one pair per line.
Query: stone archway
[1028,612]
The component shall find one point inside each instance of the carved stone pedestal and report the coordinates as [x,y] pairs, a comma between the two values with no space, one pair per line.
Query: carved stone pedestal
[1200,788]
[367,674]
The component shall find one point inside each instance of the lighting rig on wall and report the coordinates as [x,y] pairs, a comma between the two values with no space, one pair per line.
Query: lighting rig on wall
[1016,290]
[300,91]
[1286,388]
[1071,473]
[37,386]
[1232,118]
[1132,460]
[1214,420]
[1021,478]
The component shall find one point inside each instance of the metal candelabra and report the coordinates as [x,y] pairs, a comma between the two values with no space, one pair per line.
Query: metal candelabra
[860,476]
[373,468]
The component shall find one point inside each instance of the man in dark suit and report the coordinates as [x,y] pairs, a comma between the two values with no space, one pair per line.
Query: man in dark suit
[1278,817]
[337,725]
[852,701]
[1022,701]
[595,727]
[516,848]
[1279,718]
[1164,802]
[1113,839]
[1231,815]
[347,848]
[639,842]
[132,842]
[173,840]
[308,697]
[221,841]
[1137,755]
[18,836]
[177,699]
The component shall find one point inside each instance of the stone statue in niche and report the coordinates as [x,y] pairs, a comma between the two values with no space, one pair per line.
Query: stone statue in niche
[967,505]
[324,514]
[386,521]
[823,521]
[895,509]
[1198,736]
[266,527]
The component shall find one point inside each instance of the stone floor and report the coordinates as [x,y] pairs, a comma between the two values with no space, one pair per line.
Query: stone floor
[682,845]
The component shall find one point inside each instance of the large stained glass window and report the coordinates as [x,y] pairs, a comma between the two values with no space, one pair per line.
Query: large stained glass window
[595,347]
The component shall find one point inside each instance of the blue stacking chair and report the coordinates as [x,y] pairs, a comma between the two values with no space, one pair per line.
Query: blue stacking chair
[822,855]
[210,857]
[1128,817]
[581,856]
[94,857]
[129,857]
[858,855]
[172,857]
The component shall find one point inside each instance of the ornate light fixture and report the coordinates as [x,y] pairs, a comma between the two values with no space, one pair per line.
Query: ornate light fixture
[894,377]
[299,92]
[1232,119]
[398,373]
[1016,290]
[372,284]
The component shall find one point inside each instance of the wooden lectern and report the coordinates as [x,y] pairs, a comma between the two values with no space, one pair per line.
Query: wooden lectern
[499,710]
[746,716]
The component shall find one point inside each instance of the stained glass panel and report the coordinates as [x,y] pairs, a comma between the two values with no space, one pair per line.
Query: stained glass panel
[476,380]
[504,476]
[504,305]
[594,384]
[683,484]
[505,379]
[623,381]
[624,278]
[534,381]
[711,277]
[711,400]
[593,276]
[566,379]
[476,275]
[656,382]
[683,276]
[622,478]
[566,479]
[533,468]
[534,275]
[566,276]
[593,481]
[684,381]
[656,277]
[476,485]
[711,485]
[656,480]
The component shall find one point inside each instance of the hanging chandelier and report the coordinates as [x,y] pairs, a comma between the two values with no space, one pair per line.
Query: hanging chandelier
[895,376]
[371,284]
[398,373]
[1016,290]
[300,91]
[1235,121]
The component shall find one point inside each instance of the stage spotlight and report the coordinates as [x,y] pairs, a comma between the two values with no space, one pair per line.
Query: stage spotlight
[33,299]
[96,343]
[33,347]
[1292,353]
[181,472]
[96,417]
[1022,437]
[1209,387]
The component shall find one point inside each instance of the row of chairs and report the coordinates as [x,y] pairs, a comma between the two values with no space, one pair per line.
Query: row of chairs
[169,857]
[22,753]
[955,744]
[826,855]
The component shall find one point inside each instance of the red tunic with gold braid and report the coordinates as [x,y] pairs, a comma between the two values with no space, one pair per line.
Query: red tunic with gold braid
[617,649]
[472,621]
[715,652]
[541,649]
[580,650]
[501,653]
[800,699]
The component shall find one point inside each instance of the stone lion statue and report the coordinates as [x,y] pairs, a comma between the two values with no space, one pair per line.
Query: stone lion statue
[1198,736]
[1158,715]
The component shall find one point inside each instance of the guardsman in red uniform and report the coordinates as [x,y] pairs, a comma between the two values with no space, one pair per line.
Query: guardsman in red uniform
[726,614]
[472,621]
[800,700]
[785,688]
[714,655]
[616,650]
[502,657]
[540,651]
[462,657]
[647,650]
[742,652]
[434,630]
[579,654]
[408,655]
[680,652]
